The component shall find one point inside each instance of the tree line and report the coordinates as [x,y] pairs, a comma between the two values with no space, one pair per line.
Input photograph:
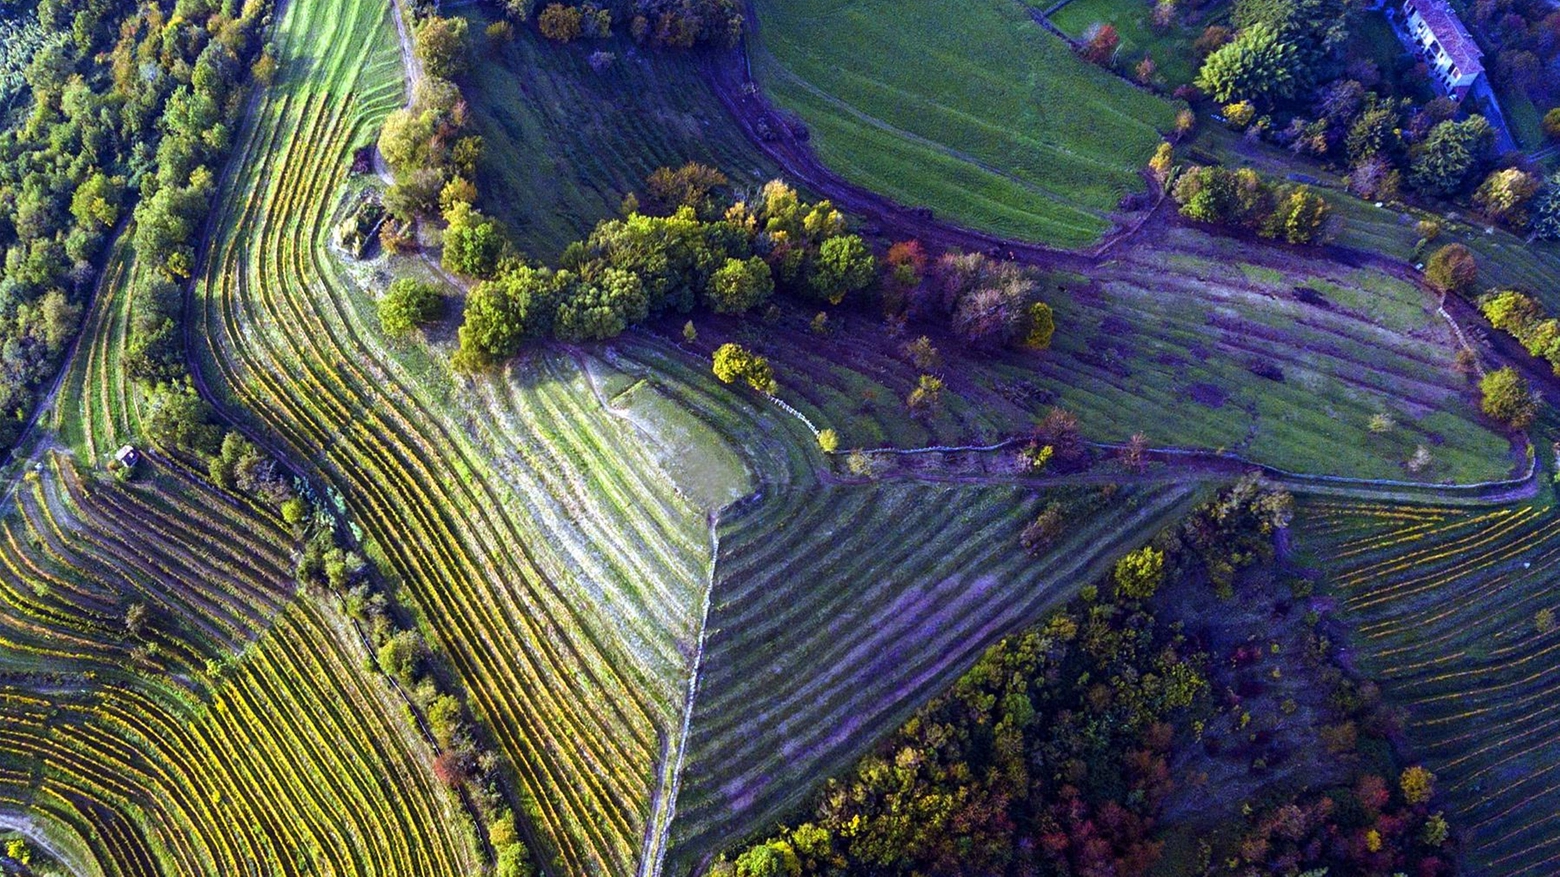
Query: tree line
[678,24]
[1279,71]
[728,257]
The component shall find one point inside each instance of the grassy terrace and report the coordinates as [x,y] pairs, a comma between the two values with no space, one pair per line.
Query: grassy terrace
[1284,361]
[565,143]
[1443,601]
[972,110]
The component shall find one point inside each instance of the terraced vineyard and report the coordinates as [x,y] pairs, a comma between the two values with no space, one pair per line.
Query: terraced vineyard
[1446,602]
[553,565]
[233,728]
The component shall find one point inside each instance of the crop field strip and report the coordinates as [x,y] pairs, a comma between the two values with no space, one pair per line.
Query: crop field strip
[569,621]
[292,760]
[1444,603]
[169,770]
[800,678]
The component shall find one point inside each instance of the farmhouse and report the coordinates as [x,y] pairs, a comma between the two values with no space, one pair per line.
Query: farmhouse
[127,456]
[1444,44]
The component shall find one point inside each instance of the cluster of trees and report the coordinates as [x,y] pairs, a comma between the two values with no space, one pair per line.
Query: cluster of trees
[433,156]
[1241,199]
[1281,73]
[985,302]
[680,24]
[124,101]
[1278,49]
[733,362]
[1369,827]
[1524,318]
[729,258]
[1524,31]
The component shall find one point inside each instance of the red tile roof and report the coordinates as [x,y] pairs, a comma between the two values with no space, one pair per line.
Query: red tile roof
[1449,32]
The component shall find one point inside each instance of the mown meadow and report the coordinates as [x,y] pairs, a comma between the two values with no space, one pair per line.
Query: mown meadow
[975,112]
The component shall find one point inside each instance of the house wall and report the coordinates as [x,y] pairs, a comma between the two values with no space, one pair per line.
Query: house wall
[1440,63]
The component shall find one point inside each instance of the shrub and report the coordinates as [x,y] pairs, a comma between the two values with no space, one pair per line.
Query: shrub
[1042,326]
[926,395]
[1552,124]
[1508,399]
[408,304]
[1139,574]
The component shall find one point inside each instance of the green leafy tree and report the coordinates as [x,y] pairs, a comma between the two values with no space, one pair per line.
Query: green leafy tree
[440,44]
[1508,399]
[401,656]
[601,308]
[1504,194]
[733,362]
[773,859]
[1259,66]
[1544,218]
[181,420]
[473,243]
[844,265]
[1450,157]
[1042,326]
[1452,269]
[1317,29]
[739,286]
[502,313]
[1298,217]
[1374,133]
[408,304]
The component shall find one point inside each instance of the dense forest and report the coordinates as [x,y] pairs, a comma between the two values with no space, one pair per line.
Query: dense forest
[128,110]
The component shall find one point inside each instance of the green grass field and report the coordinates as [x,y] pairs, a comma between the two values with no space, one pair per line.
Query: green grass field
[973,111]
[1443,602]
[565,143]
[1171,48]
